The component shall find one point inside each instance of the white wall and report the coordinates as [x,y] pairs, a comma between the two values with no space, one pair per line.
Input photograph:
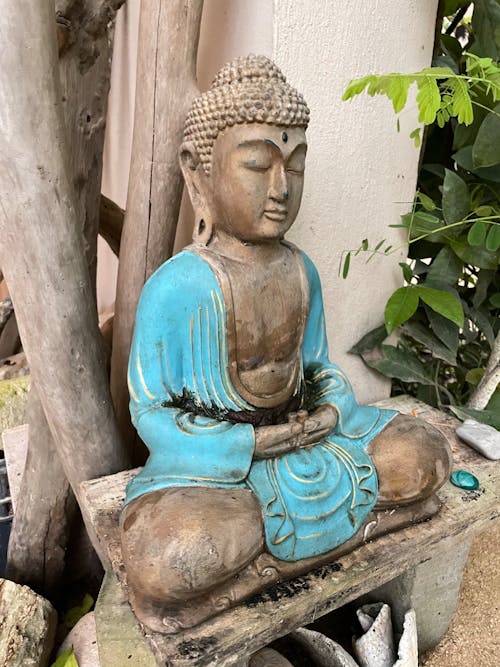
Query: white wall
[359,169]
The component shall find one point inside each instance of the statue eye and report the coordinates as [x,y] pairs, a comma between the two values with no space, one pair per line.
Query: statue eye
[257,165]
[291,169]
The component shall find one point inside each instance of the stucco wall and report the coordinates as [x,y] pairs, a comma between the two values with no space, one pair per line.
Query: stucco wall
[360,172]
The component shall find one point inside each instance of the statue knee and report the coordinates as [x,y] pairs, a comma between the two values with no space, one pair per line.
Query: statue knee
[180,542]
[412,459]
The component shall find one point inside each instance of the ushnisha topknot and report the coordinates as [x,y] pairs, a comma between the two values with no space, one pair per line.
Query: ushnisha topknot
[250,89]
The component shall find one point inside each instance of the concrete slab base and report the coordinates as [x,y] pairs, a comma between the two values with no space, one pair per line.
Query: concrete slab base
[431,589]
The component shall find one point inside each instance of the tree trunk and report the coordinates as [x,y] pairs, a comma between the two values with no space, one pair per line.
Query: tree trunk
[45,267]
[47,509]
[166,85]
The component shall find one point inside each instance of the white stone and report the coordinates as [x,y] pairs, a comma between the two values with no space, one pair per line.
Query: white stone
[83,639]
[481,437]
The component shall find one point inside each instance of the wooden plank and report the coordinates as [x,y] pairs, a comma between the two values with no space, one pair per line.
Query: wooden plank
[166,86]
[246,628]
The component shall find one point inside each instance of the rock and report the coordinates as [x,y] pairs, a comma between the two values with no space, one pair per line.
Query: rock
[14,366]
[267,657]
[27,626]
[83,639]
[481,437]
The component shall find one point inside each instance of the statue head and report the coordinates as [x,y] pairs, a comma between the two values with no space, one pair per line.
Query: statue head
[243,152]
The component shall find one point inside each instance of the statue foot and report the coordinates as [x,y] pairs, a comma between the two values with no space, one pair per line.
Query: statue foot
[266,570]
[413,460]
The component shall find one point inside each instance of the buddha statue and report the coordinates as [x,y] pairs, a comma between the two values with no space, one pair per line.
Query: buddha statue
[262,465]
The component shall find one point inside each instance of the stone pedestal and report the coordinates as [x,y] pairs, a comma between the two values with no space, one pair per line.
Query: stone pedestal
[431,589]
[419,566]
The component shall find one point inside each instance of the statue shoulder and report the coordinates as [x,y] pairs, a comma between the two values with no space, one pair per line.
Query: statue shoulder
[185,275]
[311,272]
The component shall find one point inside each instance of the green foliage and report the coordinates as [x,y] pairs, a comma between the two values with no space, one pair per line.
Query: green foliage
[446,316]
[66,659]
[442,93]
[73,615]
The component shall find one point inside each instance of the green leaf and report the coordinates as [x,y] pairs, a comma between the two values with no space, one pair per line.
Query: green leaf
[477,234]
[483,282]
[492,418]
[477,256]
[372,339]
[66,659]
[407,272]
[426,201]
[445,330]
[474,376]
[465,135]
[347,262]
[486,148]
[451,6]
[481,320]
[443,303]
[356,86]
[493,238]
[445,269]
[420,223]
[452,46]
[485,22]
[397,91]
[495,300]
[463,158]
[415,135]
[456,197]
[428,99]
[483,211]
[402,365]
[494,402]
[461,102]
[73,615]
[400,307]
[422,335]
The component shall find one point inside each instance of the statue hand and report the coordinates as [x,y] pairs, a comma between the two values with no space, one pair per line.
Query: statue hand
[278,439]
[318,425]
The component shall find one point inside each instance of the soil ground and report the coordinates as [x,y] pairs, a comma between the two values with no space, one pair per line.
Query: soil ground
[474,635]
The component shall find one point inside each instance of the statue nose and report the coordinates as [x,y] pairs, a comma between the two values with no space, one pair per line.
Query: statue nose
[278,187]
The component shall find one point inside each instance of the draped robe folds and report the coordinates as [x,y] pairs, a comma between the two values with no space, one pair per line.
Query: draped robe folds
[312,499]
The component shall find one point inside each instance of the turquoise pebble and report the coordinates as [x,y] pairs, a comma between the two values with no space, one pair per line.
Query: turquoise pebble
[464,480]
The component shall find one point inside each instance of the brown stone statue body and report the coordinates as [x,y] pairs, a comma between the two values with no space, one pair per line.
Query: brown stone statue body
[242,404]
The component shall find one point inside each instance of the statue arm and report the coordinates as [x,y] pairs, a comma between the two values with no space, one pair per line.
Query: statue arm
[182,444]
[328,385]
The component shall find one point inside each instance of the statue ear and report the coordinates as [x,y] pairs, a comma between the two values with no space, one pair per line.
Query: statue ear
[198,188]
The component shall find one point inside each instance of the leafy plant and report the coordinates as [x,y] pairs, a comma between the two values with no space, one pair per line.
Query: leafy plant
[446,316]
[73,615]
[66,659]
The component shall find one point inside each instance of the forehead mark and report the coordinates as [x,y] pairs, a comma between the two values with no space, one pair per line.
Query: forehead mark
[285,154]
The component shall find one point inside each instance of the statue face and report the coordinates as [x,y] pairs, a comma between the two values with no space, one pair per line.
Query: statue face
[257,179]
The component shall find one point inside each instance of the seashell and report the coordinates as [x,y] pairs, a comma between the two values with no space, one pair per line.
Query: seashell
[408,644]
[376,647]
[322,651]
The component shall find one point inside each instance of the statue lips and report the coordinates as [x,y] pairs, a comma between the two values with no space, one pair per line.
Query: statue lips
[276,214]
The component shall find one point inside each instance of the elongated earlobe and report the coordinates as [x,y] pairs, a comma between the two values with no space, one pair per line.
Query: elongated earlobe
[202,232]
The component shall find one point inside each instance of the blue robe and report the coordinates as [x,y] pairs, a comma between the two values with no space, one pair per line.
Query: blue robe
[312,499]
